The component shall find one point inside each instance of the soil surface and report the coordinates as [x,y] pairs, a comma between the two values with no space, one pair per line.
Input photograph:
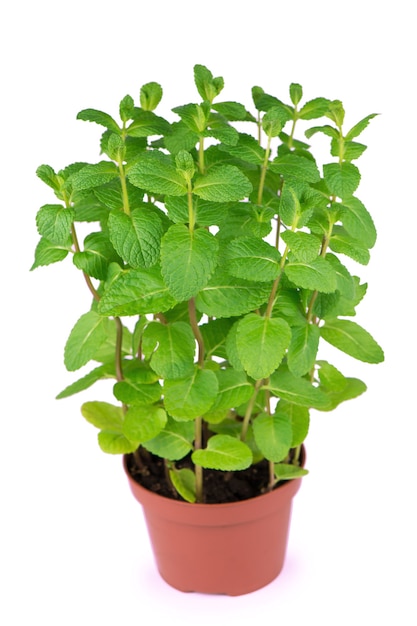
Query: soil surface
[219,487]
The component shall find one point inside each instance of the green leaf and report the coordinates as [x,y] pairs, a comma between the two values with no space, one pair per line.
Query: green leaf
[296,93]
[304,246]
[234,389]
[88,334]
[188,259]
[226,296]
[150,96]
[136,237]
[115,443]
[170,348]
[103,415]
[126,108]
[143,422]
[315,275]
[351,338]
[293,166]
[174,442]
[47,175]
[184,482]
[359,127]
[47,252]
[233,111]
[103,371]
[300,391]
[104,119]
[358,222]
[252,259]
[273,121]
[286,471]
[155,173]
[342,179]
[207,86]
[135,292]
[146,123]
[132,392]
[54,223]
[336,112]
[188,398]
[336,386]
[95,175]
[303,348]
[185,163]
[273,435]
[300,420]
[98,253]
[247,149]
[342,242]
[314,108]
[224,453]
[330,131]
[224,183]
[261,344]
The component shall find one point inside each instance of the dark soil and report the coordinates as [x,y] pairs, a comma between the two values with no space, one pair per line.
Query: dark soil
[219,487]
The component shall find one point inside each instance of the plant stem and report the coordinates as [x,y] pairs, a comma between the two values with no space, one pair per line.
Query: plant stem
[126,206]
[201,165]
[191,212]
[264,170]
[196,330]
[272,479]
[249,409]
[198,444]
[118,349]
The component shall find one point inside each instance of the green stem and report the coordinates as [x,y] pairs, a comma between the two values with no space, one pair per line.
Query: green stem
[191,212]
[201,165]
[198,444]
[264,170]
[249,409]
[196,330]
[118,349]
[126,206]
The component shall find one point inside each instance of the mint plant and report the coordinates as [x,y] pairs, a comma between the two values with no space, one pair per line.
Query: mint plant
[216,265]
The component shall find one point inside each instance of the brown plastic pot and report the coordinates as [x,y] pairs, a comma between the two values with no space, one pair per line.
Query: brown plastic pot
[231,549]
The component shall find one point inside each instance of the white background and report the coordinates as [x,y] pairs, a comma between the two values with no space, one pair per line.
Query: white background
[73,544]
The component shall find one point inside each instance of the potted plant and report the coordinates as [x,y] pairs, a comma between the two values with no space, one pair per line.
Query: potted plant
[216,260]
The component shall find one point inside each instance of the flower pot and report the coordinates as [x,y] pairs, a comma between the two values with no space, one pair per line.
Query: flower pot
[232,548]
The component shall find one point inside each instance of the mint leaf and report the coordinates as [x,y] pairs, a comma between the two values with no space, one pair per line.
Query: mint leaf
[234,389]
[342,179]
[155,173]
[314,108]
[296,390]
[296,93]
[261,343]
[223,183]
[359,127]
[150,96]
[233,111]
[146,123]
[188,259]
[135,292]
[136,237]
[132,392]
[184,482]
[315,275]
[273,435]
[103,415]
[86,337]
[303,348]
[104,119]
[341,241]
[293,166]
[304,246]
[351,338]
[286,471]
[300,420]
[253,259]
[54,223]
[247,149]
[188,398]
[103,371]
[226,296]
[143,422]
[170,348]
[47,252]
[95,175]
[174,442]
[47,175]
[98,253]
[116,443]
[207,86]
[224,453]
[358,222]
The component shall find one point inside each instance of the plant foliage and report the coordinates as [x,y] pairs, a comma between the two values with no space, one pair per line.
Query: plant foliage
[218,257]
